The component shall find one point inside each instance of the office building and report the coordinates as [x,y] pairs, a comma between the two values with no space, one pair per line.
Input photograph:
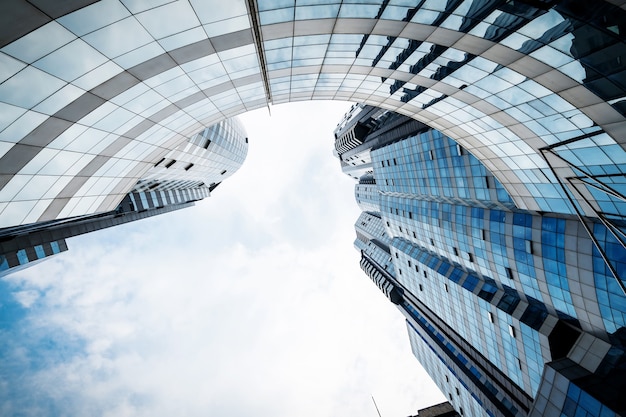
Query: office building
[530,94]
[512,312]
[184,175]
[533,89]
[438,410]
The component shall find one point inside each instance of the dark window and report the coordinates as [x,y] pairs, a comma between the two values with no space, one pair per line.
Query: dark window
[535,314]
[508,302]
[562,338]
[188,167]
[470,282]
[223,172]
[509,273]
[158,163]
[170,163]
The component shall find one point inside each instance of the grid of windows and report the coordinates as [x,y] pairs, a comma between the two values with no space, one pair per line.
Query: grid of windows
[451,295]
[555,269]
[500,277]
[218,148]
[428,164]
[610,296]
[85,114]
[503,79]
[434,351]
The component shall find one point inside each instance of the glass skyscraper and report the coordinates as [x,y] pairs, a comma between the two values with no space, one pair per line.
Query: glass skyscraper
[508,185]
[182,176]
[512,312]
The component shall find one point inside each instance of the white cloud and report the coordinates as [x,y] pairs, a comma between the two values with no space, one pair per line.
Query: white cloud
[26,298]
[250,303]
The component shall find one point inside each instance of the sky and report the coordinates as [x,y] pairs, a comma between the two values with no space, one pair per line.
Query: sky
[250,303]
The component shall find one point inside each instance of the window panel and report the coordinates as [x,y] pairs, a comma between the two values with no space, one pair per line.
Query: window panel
[29,87]
[119,38]
[71,61]
[169,19]
[140,55]
[9,114]
[217,10]
[94,17]
[182,39]
[317,12]
[40,42]
[60,99]
[98,75]
[227,26]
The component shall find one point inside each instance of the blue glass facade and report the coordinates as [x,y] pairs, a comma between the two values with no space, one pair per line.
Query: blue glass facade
[518,187]
[492,293]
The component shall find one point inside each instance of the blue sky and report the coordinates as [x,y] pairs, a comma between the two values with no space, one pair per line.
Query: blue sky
[250,303]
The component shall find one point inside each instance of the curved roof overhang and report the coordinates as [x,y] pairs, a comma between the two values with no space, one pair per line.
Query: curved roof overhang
[92,97]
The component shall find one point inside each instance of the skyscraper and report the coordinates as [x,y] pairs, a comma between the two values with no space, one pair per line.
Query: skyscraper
[512,312]
[94,95]
[533,89]
[184,175]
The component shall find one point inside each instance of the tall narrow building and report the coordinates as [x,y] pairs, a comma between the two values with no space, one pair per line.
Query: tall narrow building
[512,312]
[182,176]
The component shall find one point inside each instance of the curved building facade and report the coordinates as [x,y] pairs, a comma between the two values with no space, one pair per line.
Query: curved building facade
[185,174]
[533,89]
[99,100]
[512,312]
